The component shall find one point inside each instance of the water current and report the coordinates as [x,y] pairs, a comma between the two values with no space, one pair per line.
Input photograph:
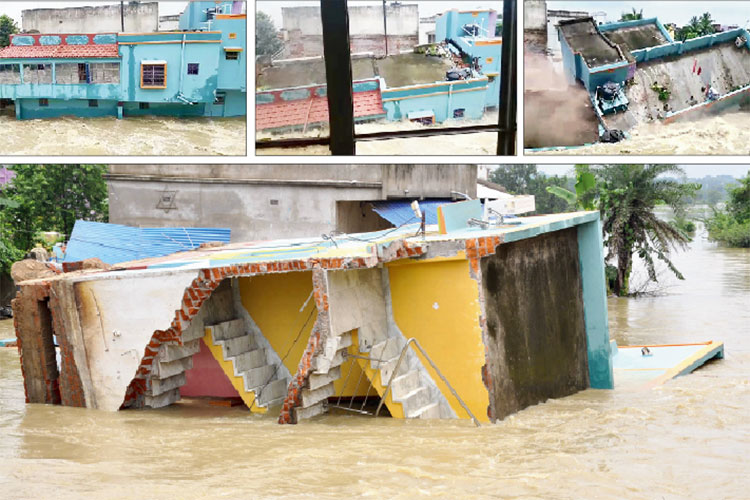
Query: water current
[138,136]
[689,438]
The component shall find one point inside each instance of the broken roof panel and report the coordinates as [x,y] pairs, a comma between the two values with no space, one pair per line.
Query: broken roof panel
[399,212]
[115,243]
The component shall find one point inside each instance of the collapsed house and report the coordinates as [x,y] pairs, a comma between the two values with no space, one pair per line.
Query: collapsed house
[197,71]
[461,320]
[635,72]
[456,78]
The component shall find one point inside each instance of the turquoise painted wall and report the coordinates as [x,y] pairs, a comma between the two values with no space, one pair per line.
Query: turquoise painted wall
[439,99]
[197,88]
[56,90]
[232,73]
[31,109]
[591,257]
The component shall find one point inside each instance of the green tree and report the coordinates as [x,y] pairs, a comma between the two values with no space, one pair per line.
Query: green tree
[698,26]
[583,198]
[267,41]
[628,195]
[632,16]
[7,27]
[49,198]
[732,225]
[526,179]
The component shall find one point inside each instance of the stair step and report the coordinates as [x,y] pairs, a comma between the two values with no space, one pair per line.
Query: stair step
[404,384]
[345,340]
[256,378]
[311,397]
[162,400]
[309,412]
[414,400]
[318,364]
[431,410]
[162,385]
[164,369]
[318,380]
[272,391]
[236,345]
[169,353]
[275,402]
[384,350]
[386,369]
[249,360]
[228,329]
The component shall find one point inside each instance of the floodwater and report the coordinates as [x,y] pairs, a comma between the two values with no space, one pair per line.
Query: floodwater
[726,134]
[136,136]
[689,438]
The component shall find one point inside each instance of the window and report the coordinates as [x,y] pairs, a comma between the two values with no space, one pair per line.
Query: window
[83,73]
[104,73]
[220,98]
[43,103]
[37,73]
[143,105]
[233,36]
[193,68]
[232,55]
[458,113]
[10,73]
[153,75]
[93,103]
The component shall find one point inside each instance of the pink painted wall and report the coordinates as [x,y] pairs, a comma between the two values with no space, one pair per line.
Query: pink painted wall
[206,378]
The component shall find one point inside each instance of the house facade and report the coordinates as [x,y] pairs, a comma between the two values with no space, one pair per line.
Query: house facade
[198,71]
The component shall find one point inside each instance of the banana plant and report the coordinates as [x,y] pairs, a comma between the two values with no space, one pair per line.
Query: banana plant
[585,182]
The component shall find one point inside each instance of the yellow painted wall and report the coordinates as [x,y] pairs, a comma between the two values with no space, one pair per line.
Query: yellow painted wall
[438,303]
[273,301]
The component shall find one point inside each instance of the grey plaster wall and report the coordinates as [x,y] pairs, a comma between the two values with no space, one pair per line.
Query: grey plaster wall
[536,336]
[269,201]
[139,18]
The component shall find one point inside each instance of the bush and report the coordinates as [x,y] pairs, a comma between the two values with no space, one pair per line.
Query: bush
[725,229]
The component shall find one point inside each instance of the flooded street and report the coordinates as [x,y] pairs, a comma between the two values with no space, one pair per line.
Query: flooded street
[689,438]
[138,136]
[726,134]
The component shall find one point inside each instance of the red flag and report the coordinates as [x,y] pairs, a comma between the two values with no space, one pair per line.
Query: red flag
[695,63]
[699,70]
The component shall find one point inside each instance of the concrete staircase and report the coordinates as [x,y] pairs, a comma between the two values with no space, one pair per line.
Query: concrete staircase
[414,397]
[168,372]
[325,370]
[259,381]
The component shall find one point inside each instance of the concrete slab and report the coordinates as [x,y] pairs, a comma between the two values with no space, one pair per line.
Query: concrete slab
[637,37]
[585,39]
[633,370]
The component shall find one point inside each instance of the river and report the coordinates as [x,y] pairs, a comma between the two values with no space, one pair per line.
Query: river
[137,136]
[689,438]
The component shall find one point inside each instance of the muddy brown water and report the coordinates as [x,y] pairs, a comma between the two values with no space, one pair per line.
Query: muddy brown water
[689,438]
[138,136]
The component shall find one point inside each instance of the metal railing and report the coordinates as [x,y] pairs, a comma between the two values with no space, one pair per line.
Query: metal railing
[414,341]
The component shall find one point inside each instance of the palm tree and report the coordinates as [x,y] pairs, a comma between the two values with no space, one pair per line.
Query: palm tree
[706,24]
[628,195]
[632,16]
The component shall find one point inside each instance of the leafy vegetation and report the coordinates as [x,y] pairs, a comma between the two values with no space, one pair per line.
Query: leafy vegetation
[632,16]
[664,92]
[7,27]
[267,42]
[48,198]
[731,226]
[698,26]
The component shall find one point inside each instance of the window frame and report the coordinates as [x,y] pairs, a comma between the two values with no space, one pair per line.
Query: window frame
[337,56]
[144,64]
[196,66]
[235,55]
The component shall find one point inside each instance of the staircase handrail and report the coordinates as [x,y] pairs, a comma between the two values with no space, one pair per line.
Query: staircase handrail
[414,341]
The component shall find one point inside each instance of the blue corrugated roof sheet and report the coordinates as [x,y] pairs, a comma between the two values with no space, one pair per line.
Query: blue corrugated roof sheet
[114,243]
[399,212]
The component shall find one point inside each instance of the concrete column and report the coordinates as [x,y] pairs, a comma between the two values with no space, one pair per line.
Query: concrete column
[591,257]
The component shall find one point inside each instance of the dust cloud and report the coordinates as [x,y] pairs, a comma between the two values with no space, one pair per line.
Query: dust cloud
[137,136]
[555,113]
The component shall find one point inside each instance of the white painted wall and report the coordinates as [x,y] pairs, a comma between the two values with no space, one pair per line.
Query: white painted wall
[119,317]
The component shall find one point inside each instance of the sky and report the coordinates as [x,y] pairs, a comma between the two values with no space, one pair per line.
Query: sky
[426,7]
[723,12]
[694,171]
[13,9]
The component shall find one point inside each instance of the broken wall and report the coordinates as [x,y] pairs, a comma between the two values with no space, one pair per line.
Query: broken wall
[536,334]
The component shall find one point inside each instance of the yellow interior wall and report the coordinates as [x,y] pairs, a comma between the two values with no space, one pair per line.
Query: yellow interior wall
[273,301]
[450,333]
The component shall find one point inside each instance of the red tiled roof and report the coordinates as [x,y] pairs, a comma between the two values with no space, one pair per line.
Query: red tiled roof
[59,51]
[289,113]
